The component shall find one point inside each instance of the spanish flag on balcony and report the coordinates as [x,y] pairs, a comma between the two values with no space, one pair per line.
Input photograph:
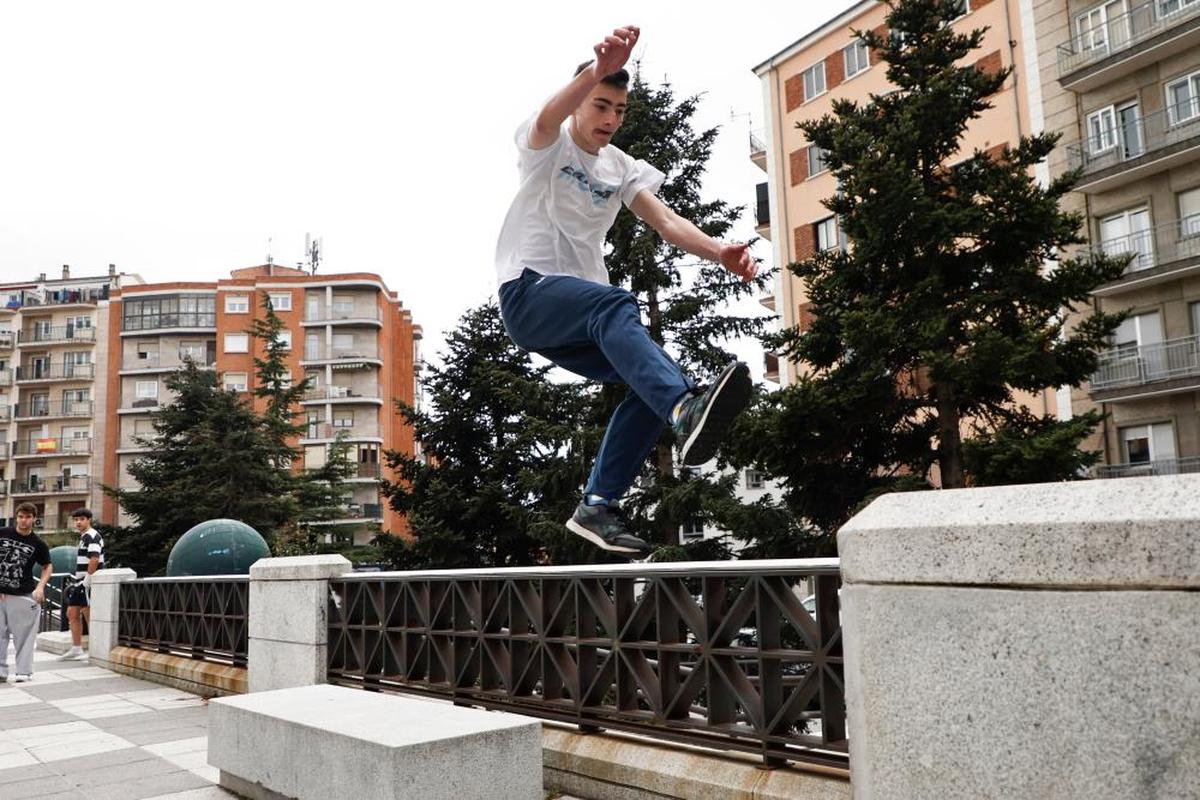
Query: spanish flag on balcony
[47,445]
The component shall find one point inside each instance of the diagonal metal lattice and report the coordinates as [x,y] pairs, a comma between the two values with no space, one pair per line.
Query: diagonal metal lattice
[734,655]
[196,617]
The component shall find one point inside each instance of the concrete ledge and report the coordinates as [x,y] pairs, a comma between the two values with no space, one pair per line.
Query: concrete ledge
[199,677]
[1131,533]
[299,568]
[360,744]
[57,642]
[614,766]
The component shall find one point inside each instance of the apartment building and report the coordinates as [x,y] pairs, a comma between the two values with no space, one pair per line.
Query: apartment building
[801,82]
[53,356]
[348,334]
[1121,82]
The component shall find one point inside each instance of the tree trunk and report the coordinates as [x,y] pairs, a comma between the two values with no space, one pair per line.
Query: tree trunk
[950,456]
[664,456]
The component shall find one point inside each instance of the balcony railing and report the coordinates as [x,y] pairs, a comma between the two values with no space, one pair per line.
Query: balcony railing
[341,392]
[1173,125]
[5,412]
[72,408]
[58,484]
[202,618]
[56,372]
[7,339]
[60,333]
[323,314]
[1166,466]
[758,144]
[1169,360]
[65,297]
[206,358]
[722,655]
[183,319]
[1123,32]
[5,377]
[68,446]
[351,353]
[1162,244]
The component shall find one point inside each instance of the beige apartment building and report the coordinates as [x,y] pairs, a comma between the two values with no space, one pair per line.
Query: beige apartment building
[53,356]
[1121,82]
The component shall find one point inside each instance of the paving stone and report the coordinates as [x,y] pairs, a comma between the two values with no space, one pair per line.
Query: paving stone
[37,787]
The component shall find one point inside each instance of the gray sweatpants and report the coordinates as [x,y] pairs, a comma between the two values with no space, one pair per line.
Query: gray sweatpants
[18,618]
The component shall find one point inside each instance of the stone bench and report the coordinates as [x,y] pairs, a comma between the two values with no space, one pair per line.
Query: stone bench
[325,741]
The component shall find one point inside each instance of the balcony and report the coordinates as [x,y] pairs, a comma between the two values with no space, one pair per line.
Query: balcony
[354,512]
[7,340]
[1157,142]
[182,320]
[771,367]
[5,377]
[56,372]
[758,148]
[1166,466]
[1146,34]
[343,394]
[58,334]
[63,297]
[359,315]
[46,410]
[154,362]
[51,448]
[1130,373]
[1163,253]
[5,412]
[362,429]
[357,355]
[58,484]
[762,209]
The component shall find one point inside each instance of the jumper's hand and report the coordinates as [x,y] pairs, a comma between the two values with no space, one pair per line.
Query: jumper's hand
[736,258]
[614,51]
[39,596]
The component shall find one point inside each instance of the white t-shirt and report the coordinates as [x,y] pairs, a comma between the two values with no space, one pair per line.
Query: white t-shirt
[568,200]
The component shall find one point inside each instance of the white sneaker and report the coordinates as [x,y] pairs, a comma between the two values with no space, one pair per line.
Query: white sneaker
[24,678]
[74,654]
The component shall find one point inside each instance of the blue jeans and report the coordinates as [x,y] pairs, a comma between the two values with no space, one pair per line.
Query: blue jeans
[596,331]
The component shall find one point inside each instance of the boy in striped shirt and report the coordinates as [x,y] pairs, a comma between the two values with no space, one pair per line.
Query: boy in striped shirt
[88,558]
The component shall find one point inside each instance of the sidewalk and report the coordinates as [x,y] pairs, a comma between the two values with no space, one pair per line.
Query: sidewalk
[80,731]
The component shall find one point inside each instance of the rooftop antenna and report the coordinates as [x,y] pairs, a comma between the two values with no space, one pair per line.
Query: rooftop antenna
[270,258]
[313,249]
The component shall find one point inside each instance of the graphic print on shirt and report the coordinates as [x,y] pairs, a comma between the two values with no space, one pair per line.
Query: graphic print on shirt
[600,192]
[14,560]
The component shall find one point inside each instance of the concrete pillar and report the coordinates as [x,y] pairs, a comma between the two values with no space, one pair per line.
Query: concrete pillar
[289,620]
[1025,641]
[105,601]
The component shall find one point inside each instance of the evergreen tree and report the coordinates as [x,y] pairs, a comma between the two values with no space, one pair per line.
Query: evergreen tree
[685,304]
[943,304]
[503,453]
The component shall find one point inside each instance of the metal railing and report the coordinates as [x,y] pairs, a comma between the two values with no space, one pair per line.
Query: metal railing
[59,333]
[52,446]
[719,654]
[1120,33]
[331,314]
[357,351]
[52,617]
[205,358]
[204,618]
[5,412]
[1162,244]
[341,392]
[1162,361]
[73,408]
[1165,466]
[51,372]
[57,484]
[1173,125]
[758,143]
[5,377]
[7,339]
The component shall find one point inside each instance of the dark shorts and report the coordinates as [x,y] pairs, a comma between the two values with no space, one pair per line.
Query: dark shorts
[75,595]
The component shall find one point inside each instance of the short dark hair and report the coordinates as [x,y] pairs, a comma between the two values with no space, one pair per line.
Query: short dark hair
[25,508]
[81,512]
[618,80]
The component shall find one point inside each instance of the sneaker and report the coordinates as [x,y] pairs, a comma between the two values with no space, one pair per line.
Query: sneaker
[604,527]
[3,677]
[706,417]
[74,654]
[24,678]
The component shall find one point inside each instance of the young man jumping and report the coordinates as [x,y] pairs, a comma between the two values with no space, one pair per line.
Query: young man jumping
[556,298]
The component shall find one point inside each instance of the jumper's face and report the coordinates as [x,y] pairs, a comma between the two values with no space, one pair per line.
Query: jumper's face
[598,117]
[81,523]
[24,521]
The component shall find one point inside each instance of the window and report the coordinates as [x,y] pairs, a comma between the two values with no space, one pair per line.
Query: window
[1129,130]
[143,427]
[1183,99]
[858,57]
[146,390]
[312,346]
[234,381]
[191,350]
[1195,308]
[1129,233]
[80,323]
[1096,26]
[343,343]
[237,343]
[755,479]
[691,531]
[314,456]
[814,81]
[343,304]
[343,419]
[1189,213]
[1168,7]
[237,304]
[147,353]
[828,235]
[816,160]
[175,311]
[280,301]
[1102,130]
[1138,330]
[285,338]
[964,8]
[1141,444]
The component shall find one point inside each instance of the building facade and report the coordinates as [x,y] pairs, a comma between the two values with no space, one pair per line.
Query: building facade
[348,334]
[53,359]
[1122,85]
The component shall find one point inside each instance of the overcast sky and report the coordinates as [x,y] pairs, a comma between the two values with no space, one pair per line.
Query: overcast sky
[176,139]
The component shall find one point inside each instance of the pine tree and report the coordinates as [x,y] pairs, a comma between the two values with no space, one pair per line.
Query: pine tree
[943,304]
[503,456]
[685,303]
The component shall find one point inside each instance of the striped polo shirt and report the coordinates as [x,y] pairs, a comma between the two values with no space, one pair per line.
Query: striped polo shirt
[91,544]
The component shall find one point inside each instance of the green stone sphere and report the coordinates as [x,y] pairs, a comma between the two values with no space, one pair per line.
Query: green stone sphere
[63,558]
[217,547]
